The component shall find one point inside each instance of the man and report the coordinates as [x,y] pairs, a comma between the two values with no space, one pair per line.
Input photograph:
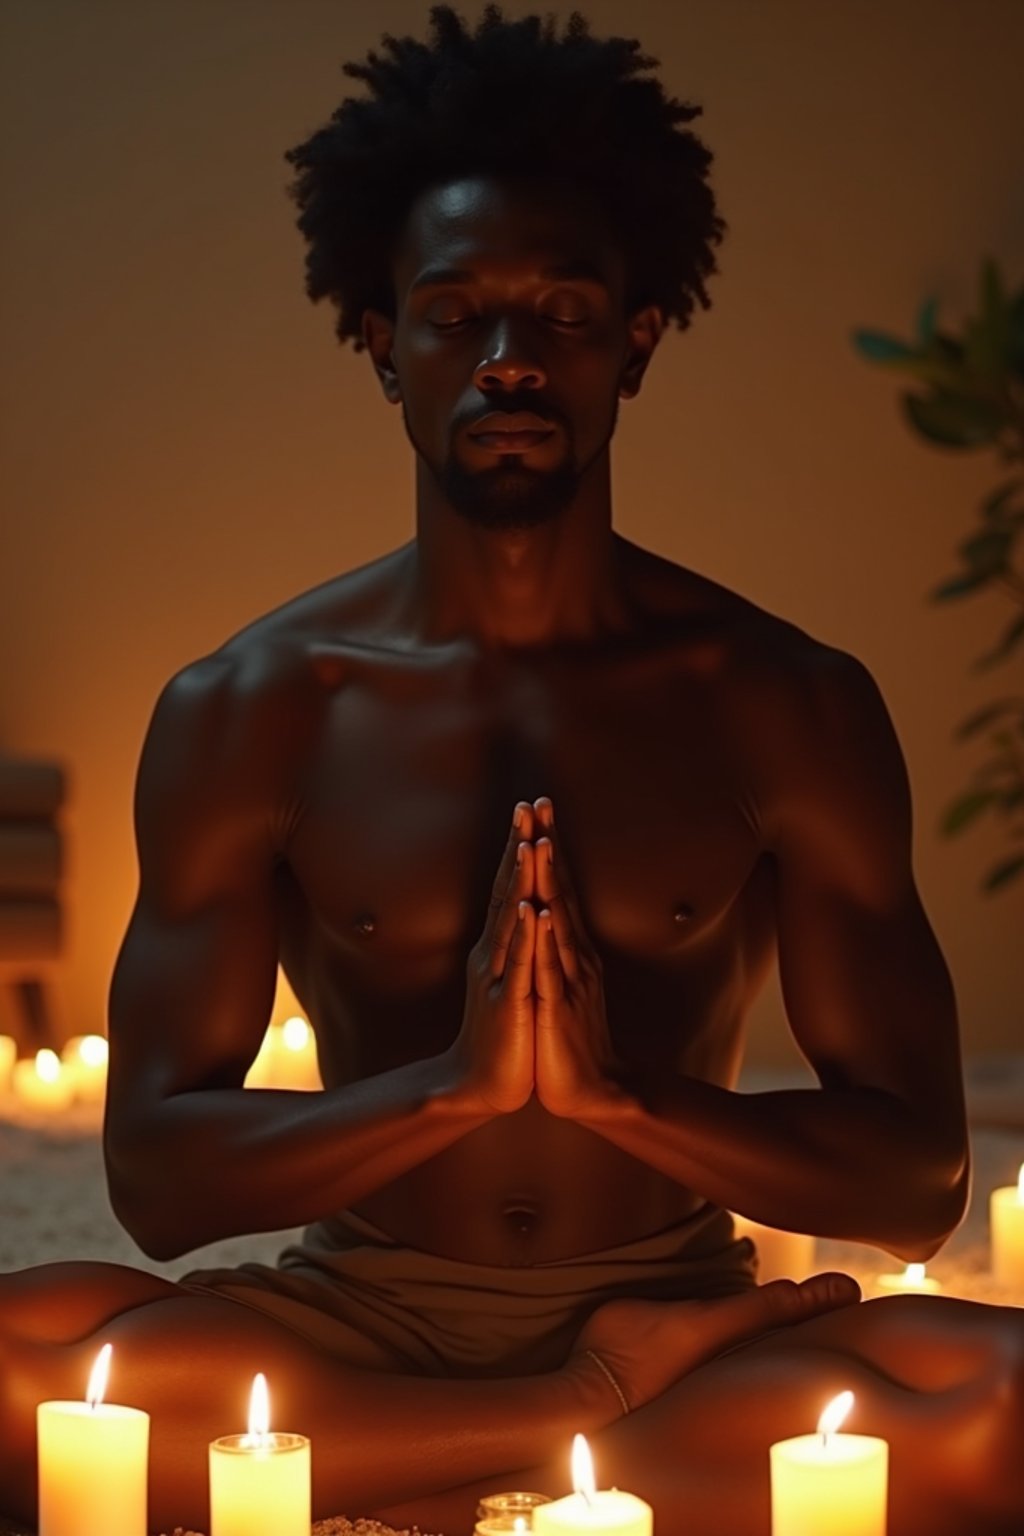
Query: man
[518,1172]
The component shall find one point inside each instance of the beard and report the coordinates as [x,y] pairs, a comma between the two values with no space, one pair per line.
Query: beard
[509,498]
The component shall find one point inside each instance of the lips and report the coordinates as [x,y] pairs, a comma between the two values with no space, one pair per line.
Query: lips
[507,432]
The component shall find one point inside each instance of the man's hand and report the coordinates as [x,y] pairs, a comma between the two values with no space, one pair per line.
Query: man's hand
[494,1051]
[575,1063]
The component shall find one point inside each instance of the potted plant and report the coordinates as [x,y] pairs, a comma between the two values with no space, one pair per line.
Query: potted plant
[968,394]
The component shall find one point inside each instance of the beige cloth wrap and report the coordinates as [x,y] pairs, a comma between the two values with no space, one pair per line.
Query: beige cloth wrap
[372,1302]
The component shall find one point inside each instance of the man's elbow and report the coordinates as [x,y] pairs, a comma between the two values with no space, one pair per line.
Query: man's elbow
[935,1210]
[144,1209]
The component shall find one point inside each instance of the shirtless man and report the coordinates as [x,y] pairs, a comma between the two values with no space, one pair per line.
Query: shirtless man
[520,1159]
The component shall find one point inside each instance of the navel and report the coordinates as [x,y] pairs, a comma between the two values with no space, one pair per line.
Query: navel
[365,925]
[683,913]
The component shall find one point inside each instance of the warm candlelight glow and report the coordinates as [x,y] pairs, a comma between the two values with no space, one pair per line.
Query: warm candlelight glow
[519,1524]
[913,1280]
[84,1058]
[295,1034]
[1006,1214]
[259,1412]
[834,1414]
[47,1065]
[98,1376]
[582,1468]
[8,1056]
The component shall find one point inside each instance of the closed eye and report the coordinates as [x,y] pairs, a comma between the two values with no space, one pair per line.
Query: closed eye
[451,325]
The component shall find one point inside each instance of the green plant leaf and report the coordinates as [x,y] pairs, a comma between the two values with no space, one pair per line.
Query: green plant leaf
[1009,639]
[981,717]
[995,502]
[1002,873]
[960,586]
[954,421]
[964,810]
[877,347]
[927,315]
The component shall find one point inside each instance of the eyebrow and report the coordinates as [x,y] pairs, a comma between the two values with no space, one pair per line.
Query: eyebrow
[579,269]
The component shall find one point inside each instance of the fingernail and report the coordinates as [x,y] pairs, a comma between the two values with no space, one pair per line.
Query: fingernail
[519,853]
[522,910]
[517,816]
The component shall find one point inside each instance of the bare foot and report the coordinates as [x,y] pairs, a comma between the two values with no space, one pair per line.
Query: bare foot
[648,1345]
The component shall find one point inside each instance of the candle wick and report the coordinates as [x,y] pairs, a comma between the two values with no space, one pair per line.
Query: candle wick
[585,1496]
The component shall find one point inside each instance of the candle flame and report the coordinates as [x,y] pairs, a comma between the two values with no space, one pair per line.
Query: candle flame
[295,1034]
[93,1050]
[913,1274]
[47,1065]
[259,1412]
[582,1468]
[98,1377]
[1020,1184]
[834,1413]
[519,1523]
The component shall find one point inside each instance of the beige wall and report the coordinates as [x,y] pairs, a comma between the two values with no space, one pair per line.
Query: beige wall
[185,445]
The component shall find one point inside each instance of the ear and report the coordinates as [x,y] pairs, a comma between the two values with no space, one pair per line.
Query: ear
[645,331]
[379,338]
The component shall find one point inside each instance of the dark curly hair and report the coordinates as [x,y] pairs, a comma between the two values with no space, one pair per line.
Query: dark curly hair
[486,103]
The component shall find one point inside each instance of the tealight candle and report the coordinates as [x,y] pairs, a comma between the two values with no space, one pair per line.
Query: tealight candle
[588,1510]
[85,1058]
[43,1083]
[286,1059]
[780,1255]
[499,1513]
[260,1483]
[912,1280]
[1006,1213]
[829,1484]
[93,1463]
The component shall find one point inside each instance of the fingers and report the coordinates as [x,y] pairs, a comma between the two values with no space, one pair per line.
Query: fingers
[548,975]
[503,917]
[552,890]
[517,981]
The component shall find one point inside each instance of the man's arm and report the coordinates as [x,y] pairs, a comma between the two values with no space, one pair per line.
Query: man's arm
[879,1153]
[192,1156]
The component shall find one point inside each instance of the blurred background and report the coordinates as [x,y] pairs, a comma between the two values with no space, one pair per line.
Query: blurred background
[185,445]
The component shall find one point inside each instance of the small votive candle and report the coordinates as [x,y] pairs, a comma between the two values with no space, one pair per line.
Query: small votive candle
[589,1510]
[780,1255]
[829,1484]
[912,1281]
[260,1482]
[1006,1215]
[93,1460]
[42,1083]
[287,1058]
[500,1512]
[85,1058]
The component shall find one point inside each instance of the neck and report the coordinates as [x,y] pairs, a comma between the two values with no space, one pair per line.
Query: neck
[557,583]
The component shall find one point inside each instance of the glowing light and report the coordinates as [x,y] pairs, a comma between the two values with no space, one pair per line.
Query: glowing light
[295,1034]
[47,1065]
[582,1468]
[98,1377]
[259,1412]
[834,1414]
[93,1050]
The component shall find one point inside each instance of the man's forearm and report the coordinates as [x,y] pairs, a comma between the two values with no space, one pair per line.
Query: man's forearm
[221,1162]
[849,1164]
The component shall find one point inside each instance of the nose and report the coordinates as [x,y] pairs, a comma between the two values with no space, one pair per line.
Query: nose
[507,363]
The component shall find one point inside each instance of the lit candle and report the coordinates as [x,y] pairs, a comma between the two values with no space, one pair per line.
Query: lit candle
[587,1510]
[286,1059]
[503,1512]
[828,1484]
[42,1083]
[1006,1212]
[8,1056]
[912,1280]
[93,1463]
[780,1255]
[85,1058]
[260,1483]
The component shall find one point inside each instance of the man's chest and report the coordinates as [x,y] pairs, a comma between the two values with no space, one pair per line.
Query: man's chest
[406,804]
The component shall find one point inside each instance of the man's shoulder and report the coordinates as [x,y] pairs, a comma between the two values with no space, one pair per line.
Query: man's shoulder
[287,657]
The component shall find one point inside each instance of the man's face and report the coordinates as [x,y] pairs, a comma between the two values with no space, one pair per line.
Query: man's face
[510,302]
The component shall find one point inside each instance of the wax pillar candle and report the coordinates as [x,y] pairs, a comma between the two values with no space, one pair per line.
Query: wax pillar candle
[8,1056]
[260,1482]
[85,1058]
[606,1511]
[287,1058]
[42,1083]
[1006,1213]
[912,1280]
[93,1464]
[780,1255]
[829,1484]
